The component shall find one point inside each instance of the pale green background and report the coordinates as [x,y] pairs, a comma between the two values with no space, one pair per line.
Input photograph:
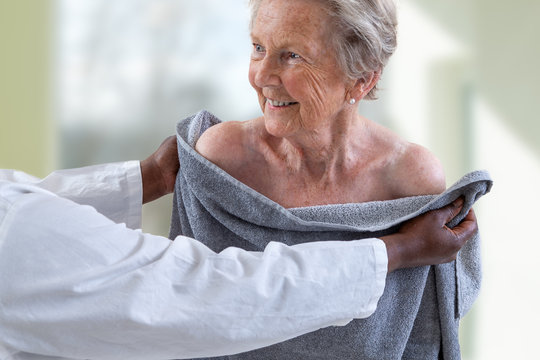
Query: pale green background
[26,131]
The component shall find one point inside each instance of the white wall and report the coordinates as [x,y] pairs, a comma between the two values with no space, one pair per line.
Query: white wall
[500,130]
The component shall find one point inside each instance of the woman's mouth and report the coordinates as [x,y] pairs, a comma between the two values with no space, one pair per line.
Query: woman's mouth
[278,103]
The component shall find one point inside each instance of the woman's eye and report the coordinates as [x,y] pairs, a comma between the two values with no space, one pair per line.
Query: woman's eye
[293,55]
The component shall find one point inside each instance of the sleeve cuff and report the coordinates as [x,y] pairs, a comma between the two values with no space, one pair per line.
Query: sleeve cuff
[134,193]
[381,269]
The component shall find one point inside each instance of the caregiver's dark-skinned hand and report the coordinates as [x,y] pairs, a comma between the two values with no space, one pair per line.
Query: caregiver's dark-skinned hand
[426,240]
[159,170]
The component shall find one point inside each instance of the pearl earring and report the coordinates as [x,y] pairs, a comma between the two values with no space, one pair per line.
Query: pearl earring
[352,101]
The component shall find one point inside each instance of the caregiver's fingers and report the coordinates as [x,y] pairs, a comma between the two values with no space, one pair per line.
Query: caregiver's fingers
[450,211]
[466,228]
[463,232]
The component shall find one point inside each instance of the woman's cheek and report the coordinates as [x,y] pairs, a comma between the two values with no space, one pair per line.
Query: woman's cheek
[251,76]
[317,93]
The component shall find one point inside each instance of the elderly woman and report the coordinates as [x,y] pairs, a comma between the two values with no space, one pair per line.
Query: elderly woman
[311,166]
[312,63]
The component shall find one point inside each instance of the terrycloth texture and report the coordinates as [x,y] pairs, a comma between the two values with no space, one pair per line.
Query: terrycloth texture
[417,316]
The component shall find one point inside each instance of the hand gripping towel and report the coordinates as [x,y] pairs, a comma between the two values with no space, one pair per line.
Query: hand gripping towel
[417,316]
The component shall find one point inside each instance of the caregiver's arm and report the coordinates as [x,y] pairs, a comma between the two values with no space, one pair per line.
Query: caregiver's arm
[75,284]
[114,189]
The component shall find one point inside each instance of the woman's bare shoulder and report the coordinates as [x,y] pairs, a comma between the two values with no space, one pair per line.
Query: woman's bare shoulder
[416,171]
[221,142]
[225,144]
[410,169]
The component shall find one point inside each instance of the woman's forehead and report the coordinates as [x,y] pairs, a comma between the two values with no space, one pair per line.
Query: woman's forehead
[291,20]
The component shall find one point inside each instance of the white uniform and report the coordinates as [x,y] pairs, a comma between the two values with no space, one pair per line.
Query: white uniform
[77,282]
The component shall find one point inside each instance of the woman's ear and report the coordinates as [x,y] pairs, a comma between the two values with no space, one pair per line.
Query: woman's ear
[363,86]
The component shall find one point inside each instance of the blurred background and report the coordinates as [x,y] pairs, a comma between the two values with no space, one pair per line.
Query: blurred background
[90,81]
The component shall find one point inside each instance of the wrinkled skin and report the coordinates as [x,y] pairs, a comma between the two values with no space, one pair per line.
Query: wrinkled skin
[292,62]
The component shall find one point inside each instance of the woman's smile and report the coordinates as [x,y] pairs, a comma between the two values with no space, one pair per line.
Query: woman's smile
[277,106]
[280,104]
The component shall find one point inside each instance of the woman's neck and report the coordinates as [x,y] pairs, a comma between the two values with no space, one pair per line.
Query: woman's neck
[322,152]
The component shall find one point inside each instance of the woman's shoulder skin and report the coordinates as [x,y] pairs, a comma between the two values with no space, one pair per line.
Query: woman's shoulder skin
[413,169]
[419,172]
[405,169]
[231,146]
[222,144]
[410,169]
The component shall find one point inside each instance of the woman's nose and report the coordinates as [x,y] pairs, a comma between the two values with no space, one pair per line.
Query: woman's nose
[267,73]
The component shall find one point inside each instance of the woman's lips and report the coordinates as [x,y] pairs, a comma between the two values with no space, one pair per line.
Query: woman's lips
[279,103]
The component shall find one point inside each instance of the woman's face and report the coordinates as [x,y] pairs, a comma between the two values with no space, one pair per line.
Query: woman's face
[293,67]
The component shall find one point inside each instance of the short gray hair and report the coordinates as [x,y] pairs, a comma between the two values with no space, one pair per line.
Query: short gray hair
[365,36]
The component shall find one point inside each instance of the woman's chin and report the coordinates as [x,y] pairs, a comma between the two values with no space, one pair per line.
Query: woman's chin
[278,126]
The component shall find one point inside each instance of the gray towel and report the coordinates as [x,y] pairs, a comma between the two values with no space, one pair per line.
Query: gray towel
[417,317]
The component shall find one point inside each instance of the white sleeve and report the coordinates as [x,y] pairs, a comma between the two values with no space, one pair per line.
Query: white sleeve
[75,284]
[115,189]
